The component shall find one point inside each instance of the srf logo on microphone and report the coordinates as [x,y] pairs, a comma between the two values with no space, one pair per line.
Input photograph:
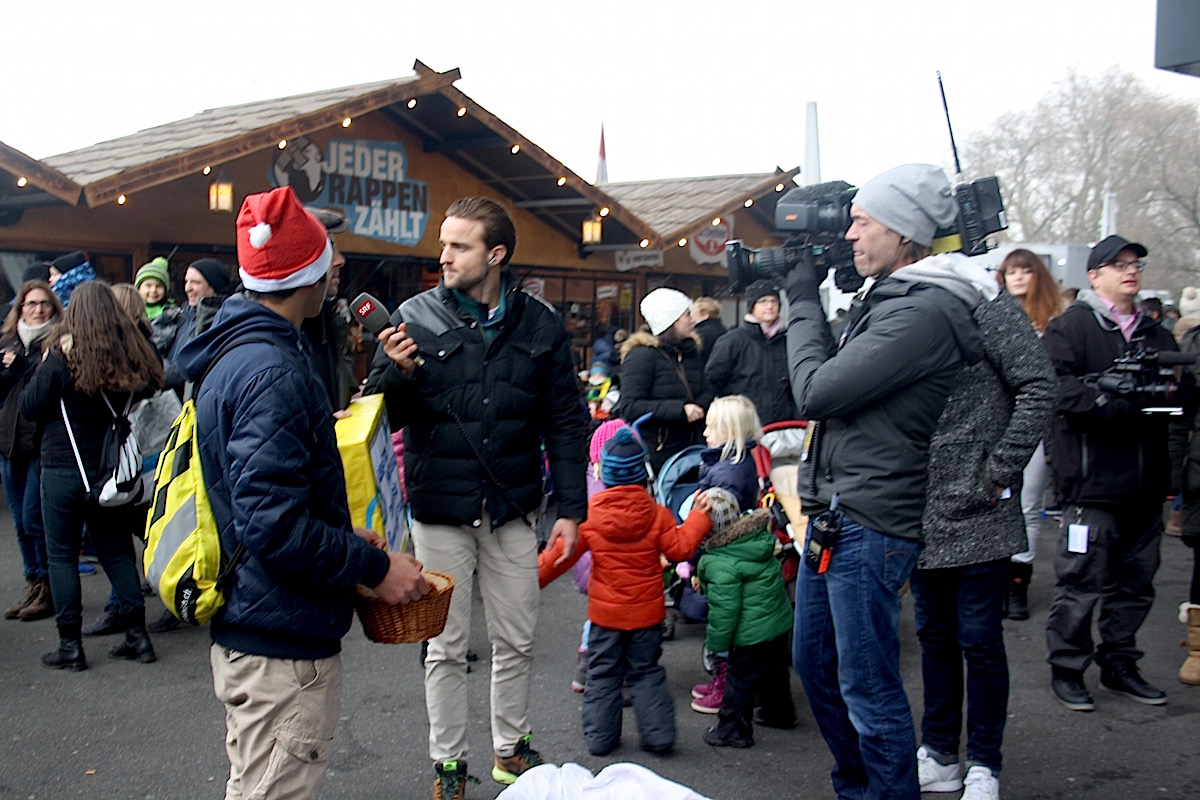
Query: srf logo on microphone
[366,308]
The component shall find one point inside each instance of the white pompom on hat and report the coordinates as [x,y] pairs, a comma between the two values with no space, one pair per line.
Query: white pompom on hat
[662,307]
[280,245]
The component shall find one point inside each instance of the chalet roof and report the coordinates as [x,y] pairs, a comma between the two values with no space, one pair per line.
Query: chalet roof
[426,104]
[677,206]
[96,162]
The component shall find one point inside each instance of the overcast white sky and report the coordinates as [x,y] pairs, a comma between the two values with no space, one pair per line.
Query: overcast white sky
[683,88]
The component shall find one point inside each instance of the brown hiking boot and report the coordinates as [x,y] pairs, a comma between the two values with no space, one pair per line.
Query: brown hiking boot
[26,595]
[451,781]
[1189,673]
[509,768]
[41,605]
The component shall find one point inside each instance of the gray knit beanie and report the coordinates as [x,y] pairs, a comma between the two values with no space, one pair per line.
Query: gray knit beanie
[914,200]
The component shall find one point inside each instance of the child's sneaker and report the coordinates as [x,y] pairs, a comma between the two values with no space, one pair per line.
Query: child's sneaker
[701,689]
[934,776]
[711,702]
[509,768]
[579,682]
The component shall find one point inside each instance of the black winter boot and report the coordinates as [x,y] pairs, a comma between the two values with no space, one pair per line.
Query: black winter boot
[1018,590]
[105,623]
[136,646]
[69,655]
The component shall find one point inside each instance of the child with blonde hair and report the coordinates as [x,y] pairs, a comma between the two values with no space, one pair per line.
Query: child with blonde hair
[731,430]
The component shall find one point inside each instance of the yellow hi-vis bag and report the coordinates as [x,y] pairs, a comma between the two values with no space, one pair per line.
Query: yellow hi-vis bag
[183,558]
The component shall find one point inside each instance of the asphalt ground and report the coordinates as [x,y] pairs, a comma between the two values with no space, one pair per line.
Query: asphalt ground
[123,730]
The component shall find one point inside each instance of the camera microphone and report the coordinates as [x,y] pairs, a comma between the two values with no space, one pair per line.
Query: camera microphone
[374,317]
[1172,358]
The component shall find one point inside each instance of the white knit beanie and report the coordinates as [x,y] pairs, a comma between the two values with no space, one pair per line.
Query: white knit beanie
[662,307]
[1189,302]
[914,200]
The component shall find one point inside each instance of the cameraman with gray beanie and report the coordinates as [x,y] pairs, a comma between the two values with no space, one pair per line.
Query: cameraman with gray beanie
[873,401]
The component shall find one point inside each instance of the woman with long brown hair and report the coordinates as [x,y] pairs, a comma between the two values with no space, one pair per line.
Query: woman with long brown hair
[34,312]
[96,363]
[1024,276]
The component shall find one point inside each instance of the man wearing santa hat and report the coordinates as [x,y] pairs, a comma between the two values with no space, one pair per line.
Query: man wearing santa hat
[275,481]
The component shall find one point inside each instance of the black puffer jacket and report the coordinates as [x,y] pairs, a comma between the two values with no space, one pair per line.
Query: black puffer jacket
[1104,450]
[652,382]
[18,435]
[744,361]
[275,481]
[509,396]
[878,399]
[709,330]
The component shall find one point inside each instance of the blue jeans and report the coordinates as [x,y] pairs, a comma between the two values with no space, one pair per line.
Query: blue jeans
[958,613]
[65,509]
[22,478]
[847,653]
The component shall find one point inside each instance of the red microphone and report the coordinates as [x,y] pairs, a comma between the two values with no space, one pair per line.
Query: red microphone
[374,317]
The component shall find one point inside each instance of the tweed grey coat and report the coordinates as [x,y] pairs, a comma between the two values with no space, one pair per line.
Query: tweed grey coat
[997,413]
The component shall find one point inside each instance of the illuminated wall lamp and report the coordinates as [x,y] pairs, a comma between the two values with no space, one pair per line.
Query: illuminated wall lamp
[592,230]
[220,195]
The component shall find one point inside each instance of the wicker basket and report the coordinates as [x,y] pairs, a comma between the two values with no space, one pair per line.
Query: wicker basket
[409,622]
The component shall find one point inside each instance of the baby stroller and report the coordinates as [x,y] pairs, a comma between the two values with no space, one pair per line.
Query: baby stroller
[776,459]
[673,488]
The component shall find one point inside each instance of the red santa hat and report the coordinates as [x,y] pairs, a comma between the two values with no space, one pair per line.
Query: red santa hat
[280,245]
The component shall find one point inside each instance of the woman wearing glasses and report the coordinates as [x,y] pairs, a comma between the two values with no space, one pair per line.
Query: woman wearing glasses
[34,312]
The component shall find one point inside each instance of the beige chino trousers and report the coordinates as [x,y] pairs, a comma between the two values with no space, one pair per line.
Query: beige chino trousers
[506,563]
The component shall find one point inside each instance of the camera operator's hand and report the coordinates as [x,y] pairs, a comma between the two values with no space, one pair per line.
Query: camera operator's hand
[1111,405]
[801,284]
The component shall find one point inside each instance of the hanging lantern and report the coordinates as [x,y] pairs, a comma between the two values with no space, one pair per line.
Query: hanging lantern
[591,231]
[220,195]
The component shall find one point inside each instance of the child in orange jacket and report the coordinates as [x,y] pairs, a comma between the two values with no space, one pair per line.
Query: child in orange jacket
[626,531]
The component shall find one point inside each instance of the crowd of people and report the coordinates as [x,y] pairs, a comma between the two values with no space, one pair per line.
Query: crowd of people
[947,414]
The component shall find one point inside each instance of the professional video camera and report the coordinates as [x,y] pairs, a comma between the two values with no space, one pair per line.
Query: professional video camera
[1146,378]
[820,214]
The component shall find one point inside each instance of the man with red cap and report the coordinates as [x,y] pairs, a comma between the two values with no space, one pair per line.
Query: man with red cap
[275,481]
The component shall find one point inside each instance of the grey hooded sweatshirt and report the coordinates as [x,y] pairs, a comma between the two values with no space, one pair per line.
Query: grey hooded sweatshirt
[876,400]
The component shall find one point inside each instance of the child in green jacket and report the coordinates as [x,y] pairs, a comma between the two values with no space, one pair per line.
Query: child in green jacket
[749,616]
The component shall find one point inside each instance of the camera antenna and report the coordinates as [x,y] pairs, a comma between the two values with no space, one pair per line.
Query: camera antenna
[953,146]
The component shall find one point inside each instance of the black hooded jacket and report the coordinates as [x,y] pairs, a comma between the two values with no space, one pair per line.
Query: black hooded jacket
[878,398]
[1104,450]
[474,403]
